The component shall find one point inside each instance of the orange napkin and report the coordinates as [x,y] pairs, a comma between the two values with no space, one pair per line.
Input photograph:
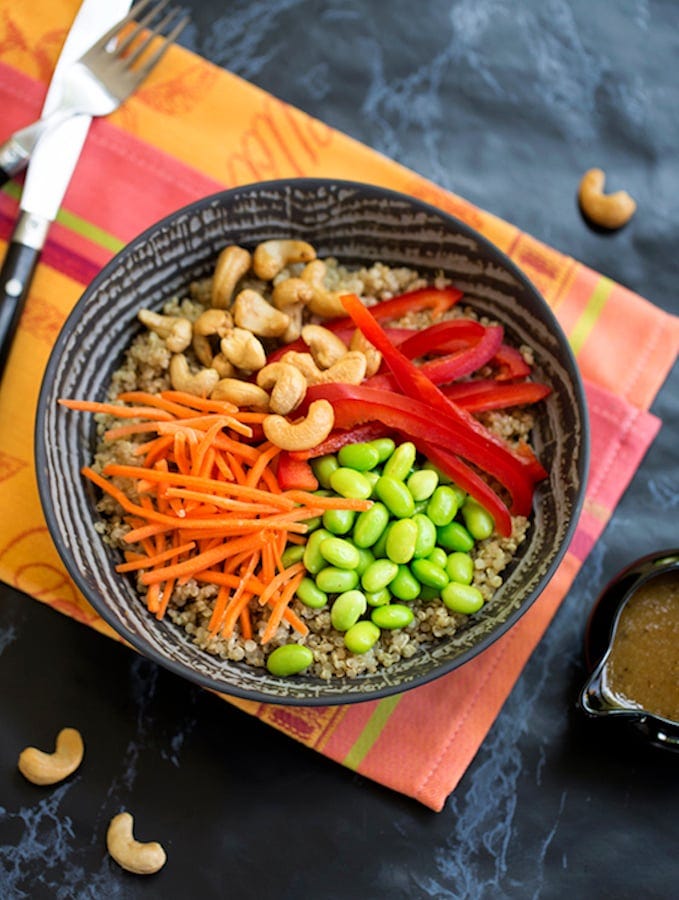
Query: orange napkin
[193,129]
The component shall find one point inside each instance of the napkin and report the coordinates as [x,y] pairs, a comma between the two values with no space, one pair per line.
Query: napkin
[193,129]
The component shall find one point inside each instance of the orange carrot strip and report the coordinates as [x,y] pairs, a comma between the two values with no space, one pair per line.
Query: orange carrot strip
[280,606]
[190,567]
[203,446]
[307,499]
[279,580]
[218,406]
[153,597]
[227,467]
[150,561]
[223,597]
[113,409]
[134,428]
[213,576]
[293,619]
[236,607]
[229,503]
[245,624]
[203,423]
[262,462]
[178,410]
[165,598]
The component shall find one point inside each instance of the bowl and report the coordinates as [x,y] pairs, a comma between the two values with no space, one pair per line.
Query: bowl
[357,223]
[598,699]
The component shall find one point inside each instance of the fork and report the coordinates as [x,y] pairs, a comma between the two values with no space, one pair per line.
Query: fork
[98,82]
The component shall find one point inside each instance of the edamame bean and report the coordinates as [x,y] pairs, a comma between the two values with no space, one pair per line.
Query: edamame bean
[422,484]
[395,496]
[426,535]
[439,557]
[293,553]
[362,457]
[427,572]
[454,536]
[365,558]
[370,524]
[373,478]
[460,567]
[361,637]
[405,586]
[428,593]
[480,524]
[313,524]
[378,598]
[396,615]
[310,594]
[290,659]
[350,483]
[401,540]
[400,462]
[462,598]
[334,581]
[347,610]
[339,521]
[323,467]
[312,559]
[378,575]
[443,478]
[443,505]
[339,553]
[385,447]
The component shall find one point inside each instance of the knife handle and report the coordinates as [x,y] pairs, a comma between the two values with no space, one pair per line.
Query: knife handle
[16,276]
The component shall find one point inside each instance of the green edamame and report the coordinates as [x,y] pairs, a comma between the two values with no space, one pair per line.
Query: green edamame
[400,462]
[379,575]
[443,505]
[401,540]
[350,483]
[347,610]
[339,553]
[290,659]
[370,524]
[339,521]
[335,581]
[480,524]
[385,447]
[422,484]
[362,457]
[405,586]
[365,558]
[311,595]
[293,553]
[428,573]
[439,557]
[312,559]
[454,536]
[361,636]
[323,467]
[460,567]
[396,615]
[378,598]
[426,535]
[395,496]
[462,598]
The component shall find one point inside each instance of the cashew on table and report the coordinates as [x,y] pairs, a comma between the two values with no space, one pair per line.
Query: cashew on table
[132,855]
[39,767]
[606,210]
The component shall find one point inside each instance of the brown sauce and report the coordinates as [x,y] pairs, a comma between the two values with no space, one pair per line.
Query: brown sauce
[643,667]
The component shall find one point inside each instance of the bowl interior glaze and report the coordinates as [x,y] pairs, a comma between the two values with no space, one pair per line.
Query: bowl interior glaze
[358,224]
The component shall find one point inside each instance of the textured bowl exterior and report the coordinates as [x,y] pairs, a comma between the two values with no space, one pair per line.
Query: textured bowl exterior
[358,224]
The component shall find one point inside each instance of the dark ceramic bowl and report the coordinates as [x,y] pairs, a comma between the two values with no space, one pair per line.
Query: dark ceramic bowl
[358,224]
[595,699]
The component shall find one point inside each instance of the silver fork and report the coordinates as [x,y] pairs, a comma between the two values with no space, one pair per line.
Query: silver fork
[103,77]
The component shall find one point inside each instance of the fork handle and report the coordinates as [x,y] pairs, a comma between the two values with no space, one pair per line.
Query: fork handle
[13,158]
[16,276]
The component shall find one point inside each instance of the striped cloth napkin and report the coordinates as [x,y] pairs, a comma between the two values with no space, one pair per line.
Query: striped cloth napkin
[193,129]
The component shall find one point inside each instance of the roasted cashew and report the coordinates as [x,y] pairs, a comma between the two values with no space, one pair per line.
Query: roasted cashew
[326,348]
[175,330]
[291,292]
[241,393]
[232,263]
[213,323]
[607,210]
[49,768]
[302,435]
[252,311]
[222,365]
[294,329]
[324,303]
[373,357]
[348,370]
[286,384]
[131,855]
[243,350]
[183,379]
[270,257]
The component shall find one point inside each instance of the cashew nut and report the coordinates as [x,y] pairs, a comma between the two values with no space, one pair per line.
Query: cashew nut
[306,433]
[242,349]
[133,856]
[350,369]
[183,379]
[210,324]
[222,365]
[326,348]
[294,329]
[232,263]
[286,384]
[324,303]
[373,357]
[270,257]
[175,330]
[241,393]
[607,210]
[291,292]
[49,768]
[252,311]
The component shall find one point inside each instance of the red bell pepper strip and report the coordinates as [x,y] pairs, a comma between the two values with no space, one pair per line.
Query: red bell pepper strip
[338,439]
[355,404]
[511,363]
[437,300]
[295,474]
[485,394]
[435,338]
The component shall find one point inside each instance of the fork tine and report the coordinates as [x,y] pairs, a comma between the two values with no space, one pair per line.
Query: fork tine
[155,58]
[115,31]
[133,57]
[127,41]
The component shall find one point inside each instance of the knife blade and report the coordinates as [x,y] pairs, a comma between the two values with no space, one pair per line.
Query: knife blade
[49,172]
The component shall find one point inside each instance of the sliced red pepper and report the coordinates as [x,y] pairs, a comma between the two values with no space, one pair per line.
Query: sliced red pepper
[485,394]
[295,474]
[511,363]
[436,337]
[338,439]
[437,300]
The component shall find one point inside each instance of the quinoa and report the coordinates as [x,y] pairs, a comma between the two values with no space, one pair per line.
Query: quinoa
[145,367]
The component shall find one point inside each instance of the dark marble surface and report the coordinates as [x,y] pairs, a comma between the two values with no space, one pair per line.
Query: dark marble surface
[506,104]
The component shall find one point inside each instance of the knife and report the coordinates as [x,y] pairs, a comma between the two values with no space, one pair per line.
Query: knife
[49,172]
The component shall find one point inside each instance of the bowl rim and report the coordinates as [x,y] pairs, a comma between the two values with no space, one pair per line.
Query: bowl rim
[441,668]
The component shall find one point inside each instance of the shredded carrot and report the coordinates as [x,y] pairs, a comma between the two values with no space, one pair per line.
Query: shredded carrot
[206,506]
